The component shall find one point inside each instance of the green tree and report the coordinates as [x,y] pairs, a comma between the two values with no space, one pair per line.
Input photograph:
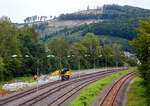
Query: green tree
[107,56]
[118,54]
[77,56]
[8,39]
[142,45]
[59,48]
[92,44]
[131,61]
[20,42]
[35,50]
[2,69]
[10,45]
[13,64]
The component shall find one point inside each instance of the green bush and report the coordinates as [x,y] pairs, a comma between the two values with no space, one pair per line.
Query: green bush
[135,96]
[131,61]
[1,87]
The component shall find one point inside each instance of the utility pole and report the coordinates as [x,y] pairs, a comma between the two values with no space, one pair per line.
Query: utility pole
[37,74]
[79,68]
[94,62]
[60,62]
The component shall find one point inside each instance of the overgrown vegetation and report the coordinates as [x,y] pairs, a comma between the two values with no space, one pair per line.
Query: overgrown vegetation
[89,94]
[142,45]
[135,96]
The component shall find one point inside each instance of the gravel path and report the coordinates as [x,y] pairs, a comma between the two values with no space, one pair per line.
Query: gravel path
[126,91]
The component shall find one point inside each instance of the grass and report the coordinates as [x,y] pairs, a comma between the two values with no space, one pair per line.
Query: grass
[1,87]
[135,96]
[23,79]
[89,95]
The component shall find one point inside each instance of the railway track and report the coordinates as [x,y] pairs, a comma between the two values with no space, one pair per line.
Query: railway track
[58,88]
[30,91]
[111,97]
[63,98]
[44,95]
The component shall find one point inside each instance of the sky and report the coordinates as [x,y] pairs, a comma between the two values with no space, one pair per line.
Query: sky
[18,10]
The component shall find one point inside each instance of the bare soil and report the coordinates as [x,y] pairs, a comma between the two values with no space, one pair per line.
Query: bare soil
[4,92]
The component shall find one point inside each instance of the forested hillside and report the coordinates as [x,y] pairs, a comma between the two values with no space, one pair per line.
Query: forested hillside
[117,21]
[107,12]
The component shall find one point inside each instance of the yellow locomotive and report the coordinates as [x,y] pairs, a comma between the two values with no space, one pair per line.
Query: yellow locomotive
[64,73]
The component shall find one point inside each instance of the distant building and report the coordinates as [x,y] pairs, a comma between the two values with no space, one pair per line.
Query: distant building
[128,54]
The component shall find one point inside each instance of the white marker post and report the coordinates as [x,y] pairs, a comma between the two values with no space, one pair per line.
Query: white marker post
[37,85]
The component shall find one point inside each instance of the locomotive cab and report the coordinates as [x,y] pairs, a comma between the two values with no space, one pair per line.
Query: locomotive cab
[65,74]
